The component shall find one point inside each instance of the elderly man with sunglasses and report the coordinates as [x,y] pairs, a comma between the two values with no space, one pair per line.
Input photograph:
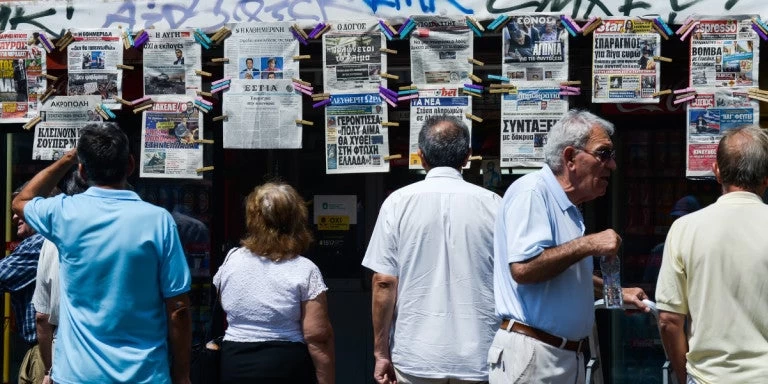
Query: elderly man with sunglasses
[543,283]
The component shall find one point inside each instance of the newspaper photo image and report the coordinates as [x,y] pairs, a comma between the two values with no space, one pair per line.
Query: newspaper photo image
[535,48]
[168,147]
[62,117]
[440,49]
[623,66]
[170,60]
[355,140]
[351,57]
[261,51]
[724,53]
[21,80]
[92,60]
[435,100]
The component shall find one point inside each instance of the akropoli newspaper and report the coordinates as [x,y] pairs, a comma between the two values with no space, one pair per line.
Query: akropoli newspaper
[355,140]
[262,114]
[352,60]
[440,49]
[535,48]
[170,60]
[92,61]
[61,120]
[725,52]
[435,100]
[168,133]
[527,116]
[21,80]
[261,51]
[623,66]
[709,115]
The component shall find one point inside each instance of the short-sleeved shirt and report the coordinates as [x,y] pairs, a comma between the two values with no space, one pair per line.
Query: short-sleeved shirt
[436,237]
[262,298]
[46,297]
[714,269]
[119,259]
[536,214]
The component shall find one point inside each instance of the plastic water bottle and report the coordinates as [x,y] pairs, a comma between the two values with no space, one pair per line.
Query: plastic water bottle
[611,282]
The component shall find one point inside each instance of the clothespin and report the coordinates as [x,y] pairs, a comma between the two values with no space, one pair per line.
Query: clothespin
[393,157]
[693,26]
[50,77]
[204,169]
[496,22]
[683,90]
[323,31]
[473,158]
[571,82]
[408,97]
[387,50]
[473,117]
[123,66]
[143,108]
[388,76]
[475,78]
[475,62]
[298,33]
[203,93]
[302,57]
[387,99]
[123,101]
[476,27]
[32,123]
[388,33]
[217,39]
[662,58]
[661,23]
[684,99]
[316,30]
[760,28]
[304,122]
[203,141]
[107,111]
[686,24]
[220,118]
[101,113]
[321,103]
[473,88]
[220,60]
[660,30]
[141,39]
[47,94]
[46,43]
[141,100]
[390,124]
[406,28]
[470,93]
[499,78]
[661,93]
[65,41]
[203,73]
[591,26]
[126,43]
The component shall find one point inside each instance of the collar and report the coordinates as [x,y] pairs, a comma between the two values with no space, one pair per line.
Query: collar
[553,186]
[119,194]
[444,172]
[740,195]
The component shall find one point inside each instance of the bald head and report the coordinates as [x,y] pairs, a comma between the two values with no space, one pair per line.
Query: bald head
[742,158]
[444,142]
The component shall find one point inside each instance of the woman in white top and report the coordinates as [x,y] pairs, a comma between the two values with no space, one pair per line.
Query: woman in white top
[277,313]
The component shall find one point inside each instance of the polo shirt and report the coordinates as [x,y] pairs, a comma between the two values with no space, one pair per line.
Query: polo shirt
[120,258]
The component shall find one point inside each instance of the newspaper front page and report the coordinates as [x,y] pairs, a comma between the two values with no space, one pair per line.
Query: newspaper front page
[262,114]
[435,100]
[61,120]
[168,149]
[725,52]
[352,60]
[709,115]
[527,115]
[170,59]
[623,66]
[261,51]
[21,80]
[92,61]
[355,140]
[535,48]
[440,49]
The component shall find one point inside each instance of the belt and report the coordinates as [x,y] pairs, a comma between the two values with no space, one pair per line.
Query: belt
[545,337]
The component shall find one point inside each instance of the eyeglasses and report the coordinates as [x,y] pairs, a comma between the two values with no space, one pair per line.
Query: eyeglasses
[605,155]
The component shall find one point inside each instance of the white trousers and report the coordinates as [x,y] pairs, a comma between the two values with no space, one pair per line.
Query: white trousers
[516,358]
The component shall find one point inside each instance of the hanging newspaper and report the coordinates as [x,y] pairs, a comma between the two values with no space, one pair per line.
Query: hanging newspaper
[709,115]
[535,48]
[170,60]
[261,51]
[440,50]
[92,61]
[61,118]
[435,100]
[352,60]
[262,114]
[623,66]
[21,80]
[725,52]
[527,115]
[168,148]
[355,140]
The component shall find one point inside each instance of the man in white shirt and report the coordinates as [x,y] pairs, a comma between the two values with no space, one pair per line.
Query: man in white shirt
[714,270]
[432,254]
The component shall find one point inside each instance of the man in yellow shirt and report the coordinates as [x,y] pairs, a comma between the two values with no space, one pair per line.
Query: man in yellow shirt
[714,272]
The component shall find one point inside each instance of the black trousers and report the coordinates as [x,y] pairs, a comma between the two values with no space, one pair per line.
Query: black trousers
[266,363]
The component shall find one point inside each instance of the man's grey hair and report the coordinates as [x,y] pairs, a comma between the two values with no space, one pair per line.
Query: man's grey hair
[444,147]
[743,163]
[572,130]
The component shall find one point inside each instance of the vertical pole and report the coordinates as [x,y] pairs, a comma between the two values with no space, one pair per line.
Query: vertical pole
[6,296]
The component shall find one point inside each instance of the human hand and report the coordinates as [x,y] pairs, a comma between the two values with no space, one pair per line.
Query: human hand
[605,243]
[384,372]
[635,296]
[46,380]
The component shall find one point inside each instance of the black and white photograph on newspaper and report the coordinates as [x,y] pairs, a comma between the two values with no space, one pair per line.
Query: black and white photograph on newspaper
[725,52]
[440,49]
[352,60]
[261,51]
[170,60]
[535,48]
[61,120]
[355,140]
[527,115]
[92,60]
[435,100]
[169,147]
[21,76]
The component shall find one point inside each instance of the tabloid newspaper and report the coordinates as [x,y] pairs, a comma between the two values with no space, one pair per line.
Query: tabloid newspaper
[21,80]
[527,115]
[623,66]
[725,52]
[61,120]
[440,49]
[261,51]
[168,149]
[435,100]
[352,60]
[92,61]
[709,115]
[262,114]
[170,60]
[355,140]
[535,48]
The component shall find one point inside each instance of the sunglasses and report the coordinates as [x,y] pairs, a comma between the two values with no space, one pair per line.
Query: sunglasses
[605,155]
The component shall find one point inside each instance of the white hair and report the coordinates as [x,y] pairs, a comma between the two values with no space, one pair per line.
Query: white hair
[572,130]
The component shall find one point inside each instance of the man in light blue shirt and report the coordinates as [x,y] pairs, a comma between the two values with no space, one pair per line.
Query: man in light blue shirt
[124,278]
[543,282]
